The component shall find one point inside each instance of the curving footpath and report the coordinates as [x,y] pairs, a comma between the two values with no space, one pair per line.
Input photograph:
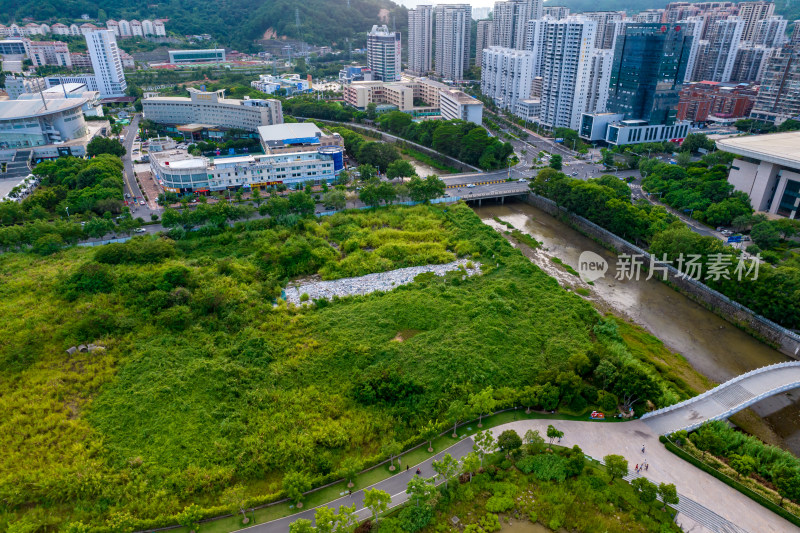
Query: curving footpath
[726,399]
[706,504]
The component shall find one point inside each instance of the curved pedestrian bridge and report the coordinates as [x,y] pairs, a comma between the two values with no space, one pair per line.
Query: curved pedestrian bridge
[725,399]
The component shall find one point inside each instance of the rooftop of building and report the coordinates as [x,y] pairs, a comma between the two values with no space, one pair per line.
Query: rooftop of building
[461,97]
[179,159]
[778,148]
[15,109]
[289,131]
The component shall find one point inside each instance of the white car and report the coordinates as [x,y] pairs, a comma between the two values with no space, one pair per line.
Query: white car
[141,202]
[140,230]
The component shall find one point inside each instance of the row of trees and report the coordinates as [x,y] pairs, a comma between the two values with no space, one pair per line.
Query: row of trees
[605,201]
[700,190]
[462,140]
[70,186]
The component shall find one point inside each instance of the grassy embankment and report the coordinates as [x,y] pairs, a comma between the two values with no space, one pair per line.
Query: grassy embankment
[203,384]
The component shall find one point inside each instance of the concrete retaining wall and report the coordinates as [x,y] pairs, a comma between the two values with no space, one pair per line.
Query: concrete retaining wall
[784,340]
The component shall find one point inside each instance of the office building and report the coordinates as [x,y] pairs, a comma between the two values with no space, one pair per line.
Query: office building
[751,13]
[566,70]
[506,75]
[484,39]
[295,137]
[401,96]
[420,39]
[715,63]
[295,155]
[288,84]
[709,100]
[17,85]
[779,93]
[510,24]
[647,74]
[768,170]
[606,26]
[528,109]
[352,73]
[383,53]
[32,123]
[212,110]
[106,63]
[453,28]
[179,57]
[457,105]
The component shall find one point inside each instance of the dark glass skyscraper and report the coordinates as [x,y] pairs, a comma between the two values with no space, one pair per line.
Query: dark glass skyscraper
[650,62]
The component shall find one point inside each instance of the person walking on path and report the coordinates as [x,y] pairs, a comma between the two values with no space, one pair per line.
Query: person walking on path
[642,448]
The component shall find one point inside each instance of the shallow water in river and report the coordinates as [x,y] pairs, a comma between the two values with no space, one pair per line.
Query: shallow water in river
[713,346]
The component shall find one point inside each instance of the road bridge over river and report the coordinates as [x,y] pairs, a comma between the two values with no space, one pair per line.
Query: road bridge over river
[726,399]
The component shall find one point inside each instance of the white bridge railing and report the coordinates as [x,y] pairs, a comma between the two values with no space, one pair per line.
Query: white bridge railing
[737,379]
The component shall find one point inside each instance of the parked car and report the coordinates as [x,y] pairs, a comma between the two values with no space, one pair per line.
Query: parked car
[140,230]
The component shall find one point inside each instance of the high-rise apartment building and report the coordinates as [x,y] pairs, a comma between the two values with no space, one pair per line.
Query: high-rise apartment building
[536,41]
[716,61]
[106,63]
[606,25]
[770,32]
[795,38]
[420,39]
[649,15]
[383,53]
[693,26]
[506,75]
[779,94]
[751,13]
[750,63]
[484,39]
[557,12]
[566,71]
[601,61]
[453,35]
[510,24]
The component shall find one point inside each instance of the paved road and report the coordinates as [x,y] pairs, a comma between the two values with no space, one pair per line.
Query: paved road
[395,486]
[726,399]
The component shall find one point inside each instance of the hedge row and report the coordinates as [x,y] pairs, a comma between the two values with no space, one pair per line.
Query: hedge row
[756,497]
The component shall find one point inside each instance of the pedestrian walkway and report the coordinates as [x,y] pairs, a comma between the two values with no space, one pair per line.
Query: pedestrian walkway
[703,499]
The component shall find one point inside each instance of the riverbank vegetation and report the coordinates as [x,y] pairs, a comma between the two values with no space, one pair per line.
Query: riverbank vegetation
[770,472]
[767,290]
[208,380]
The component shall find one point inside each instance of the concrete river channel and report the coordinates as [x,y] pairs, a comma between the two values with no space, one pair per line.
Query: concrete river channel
[714,347]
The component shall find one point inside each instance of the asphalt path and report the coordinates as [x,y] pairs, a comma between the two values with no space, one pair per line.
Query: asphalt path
[395,486]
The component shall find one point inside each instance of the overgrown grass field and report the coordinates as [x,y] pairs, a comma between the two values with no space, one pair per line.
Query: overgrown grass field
[208,379]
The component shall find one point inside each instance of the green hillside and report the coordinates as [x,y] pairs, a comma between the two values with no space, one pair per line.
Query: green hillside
[234,23]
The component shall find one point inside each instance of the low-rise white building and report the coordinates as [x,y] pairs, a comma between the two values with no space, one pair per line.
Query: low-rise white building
[290,83]
[767,168]
[30,123]
[457,105]
[212,108]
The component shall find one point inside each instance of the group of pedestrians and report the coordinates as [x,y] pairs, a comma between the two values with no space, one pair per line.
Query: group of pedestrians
[644,466]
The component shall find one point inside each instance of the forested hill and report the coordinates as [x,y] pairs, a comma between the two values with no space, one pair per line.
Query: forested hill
[234,23]
[789,9]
